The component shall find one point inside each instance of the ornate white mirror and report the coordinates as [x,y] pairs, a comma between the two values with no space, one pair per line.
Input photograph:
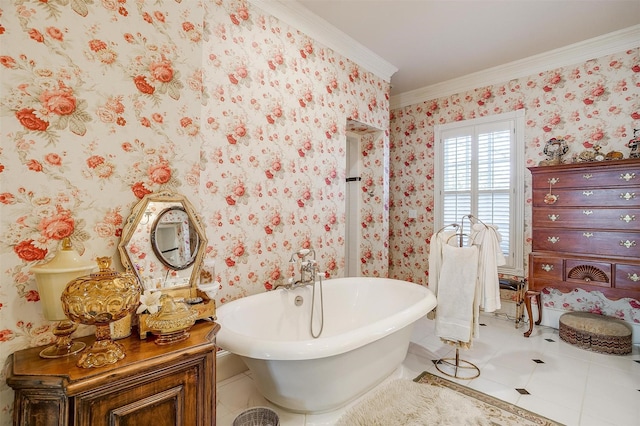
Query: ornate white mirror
[163,242]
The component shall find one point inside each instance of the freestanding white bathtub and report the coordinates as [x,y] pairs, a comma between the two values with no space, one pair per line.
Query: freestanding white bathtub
[366,334]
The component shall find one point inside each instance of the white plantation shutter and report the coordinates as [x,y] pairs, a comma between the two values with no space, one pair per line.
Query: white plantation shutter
[457,177]
[476,173]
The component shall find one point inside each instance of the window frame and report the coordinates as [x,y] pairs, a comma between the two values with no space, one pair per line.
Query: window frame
[515,259]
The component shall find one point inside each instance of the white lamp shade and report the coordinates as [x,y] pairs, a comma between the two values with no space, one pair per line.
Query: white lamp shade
[53,276]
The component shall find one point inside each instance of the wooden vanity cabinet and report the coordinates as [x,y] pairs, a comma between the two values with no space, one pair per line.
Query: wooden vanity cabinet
[586,228]
[153,385]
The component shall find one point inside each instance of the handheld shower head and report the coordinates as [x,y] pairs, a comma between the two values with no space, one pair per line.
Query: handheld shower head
[299,253]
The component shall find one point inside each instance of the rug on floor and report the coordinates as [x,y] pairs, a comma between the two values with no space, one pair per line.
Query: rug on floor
[432,400]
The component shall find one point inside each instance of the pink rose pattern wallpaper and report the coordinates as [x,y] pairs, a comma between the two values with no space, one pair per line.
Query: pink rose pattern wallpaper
[589,104]
[103,102]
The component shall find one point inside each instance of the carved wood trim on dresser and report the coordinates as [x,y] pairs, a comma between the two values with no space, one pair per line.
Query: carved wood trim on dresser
[153,385]
[586,228]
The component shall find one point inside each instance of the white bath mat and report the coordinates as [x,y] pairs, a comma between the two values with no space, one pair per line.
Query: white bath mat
[432,400]
[403,402]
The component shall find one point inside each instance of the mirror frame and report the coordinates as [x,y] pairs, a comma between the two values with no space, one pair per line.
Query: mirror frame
[131,226]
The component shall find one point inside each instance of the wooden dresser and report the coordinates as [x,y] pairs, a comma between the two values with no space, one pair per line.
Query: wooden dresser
[153,385]
[586,228]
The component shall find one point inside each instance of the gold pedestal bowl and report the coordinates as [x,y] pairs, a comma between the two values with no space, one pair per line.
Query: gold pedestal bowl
[100,299]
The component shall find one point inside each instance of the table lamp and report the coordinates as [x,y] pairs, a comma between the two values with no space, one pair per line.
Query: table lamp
[51,279]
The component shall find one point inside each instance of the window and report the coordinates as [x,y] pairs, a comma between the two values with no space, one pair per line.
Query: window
[478,171]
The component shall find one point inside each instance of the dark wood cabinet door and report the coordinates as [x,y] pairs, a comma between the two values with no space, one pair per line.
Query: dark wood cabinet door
[153,385]
[175,396]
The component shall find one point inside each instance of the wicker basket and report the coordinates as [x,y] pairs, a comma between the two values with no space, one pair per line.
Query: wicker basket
[258,416]
[596,333]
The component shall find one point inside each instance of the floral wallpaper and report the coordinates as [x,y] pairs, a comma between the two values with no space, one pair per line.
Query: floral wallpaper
[590,104]
[103,102]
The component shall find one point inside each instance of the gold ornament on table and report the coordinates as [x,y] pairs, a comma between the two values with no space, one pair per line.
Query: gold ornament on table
[100,299]
[52,278]
[172,322]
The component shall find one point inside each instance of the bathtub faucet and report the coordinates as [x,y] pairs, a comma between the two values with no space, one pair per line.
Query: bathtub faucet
[308,267]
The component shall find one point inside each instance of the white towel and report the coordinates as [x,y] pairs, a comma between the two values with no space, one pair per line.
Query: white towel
[456,293]
[487,239]
[438,240]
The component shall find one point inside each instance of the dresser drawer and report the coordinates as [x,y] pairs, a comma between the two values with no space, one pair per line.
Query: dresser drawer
[599,243]
[546,267]
[588,177]
[573,217]
[588,272]
[628,277]
[609,197]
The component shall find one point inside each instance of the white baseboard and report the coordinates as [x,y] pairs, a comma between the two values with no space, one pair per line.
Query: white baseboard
[551,318]
[228,365]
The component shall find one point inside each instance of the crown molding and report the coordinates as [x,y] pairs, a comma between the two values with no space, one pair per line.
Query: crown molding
[618,41]
[323,32]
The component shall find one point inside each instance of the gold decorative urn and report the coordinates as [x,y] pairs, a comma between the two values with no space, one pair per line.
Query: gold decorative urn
[172,322]
[100,299]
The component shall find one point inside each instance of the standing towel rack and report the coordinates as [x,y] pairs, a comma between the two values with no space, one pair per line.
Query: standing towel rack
[462,369]
[459,228]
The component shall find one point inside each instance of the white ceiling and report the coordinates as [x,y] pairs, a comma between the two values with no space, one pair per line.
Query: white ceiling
[432,41]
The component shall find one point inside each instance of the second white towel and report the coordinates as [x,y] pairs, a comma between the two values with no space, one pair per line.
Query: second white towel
[456,293]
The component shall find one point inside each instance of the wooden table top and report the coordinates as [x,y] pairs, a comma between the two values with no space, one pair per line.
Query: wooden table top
[23,366]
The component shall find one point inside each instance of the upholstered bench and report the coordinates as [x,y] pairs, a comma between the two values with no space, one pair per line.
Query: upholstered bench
[596,333]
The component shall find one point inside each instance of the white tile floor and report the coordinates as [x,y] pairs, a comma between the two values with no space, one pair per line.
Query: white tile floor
[570,385]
